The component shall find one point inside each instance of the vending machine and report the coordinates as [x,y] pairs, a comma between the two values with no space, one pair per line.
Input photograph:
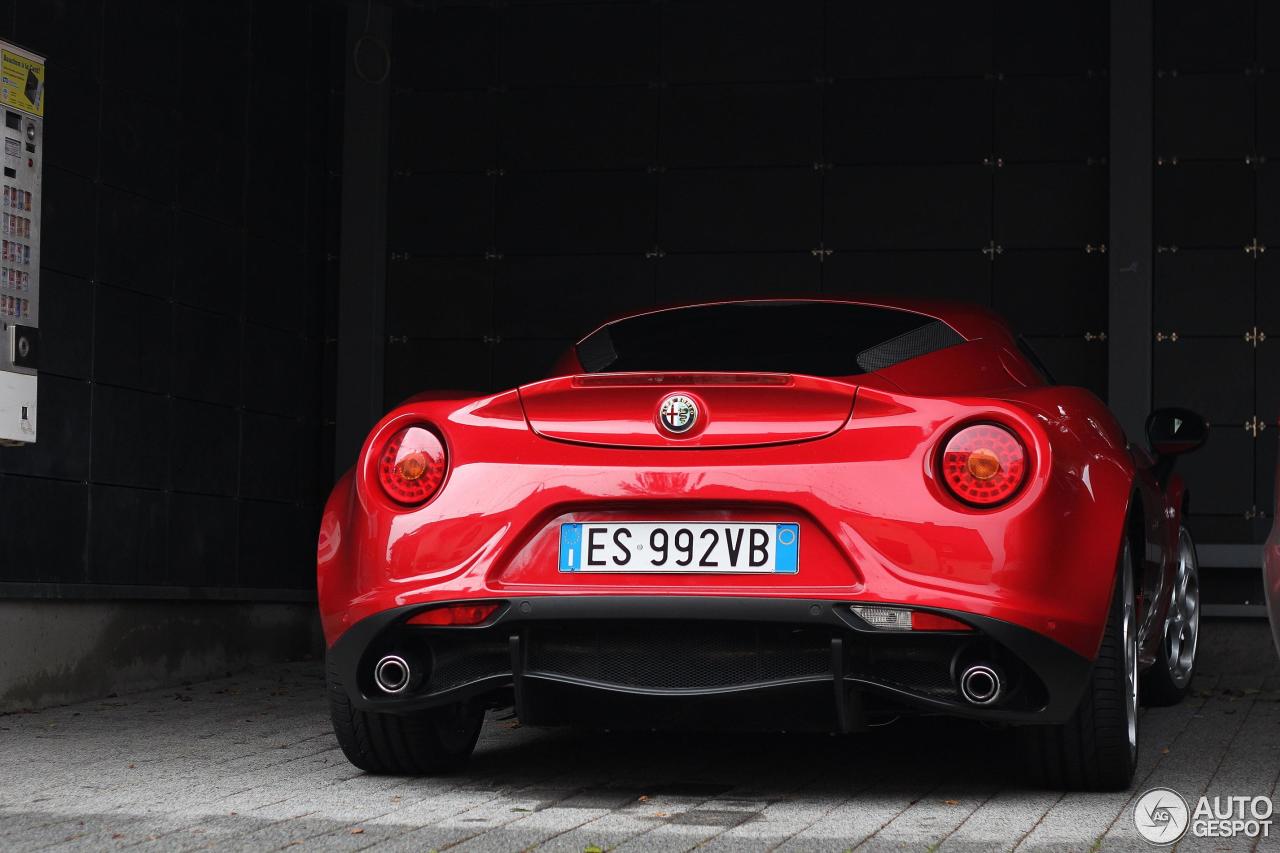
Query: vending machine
[22,102]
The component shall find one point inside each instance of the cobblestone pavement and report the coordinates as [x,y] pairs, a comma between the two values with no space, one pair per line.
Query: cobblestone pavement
[249,762]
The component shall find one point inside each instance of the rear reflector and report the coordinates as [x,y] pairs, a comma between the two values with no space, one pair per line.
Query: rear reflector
[921,621]
[454,614]
[902,619]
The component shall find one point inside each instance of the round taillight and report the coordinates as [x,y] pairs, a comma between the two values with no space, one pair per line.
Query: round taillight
[984,464]
[412,465]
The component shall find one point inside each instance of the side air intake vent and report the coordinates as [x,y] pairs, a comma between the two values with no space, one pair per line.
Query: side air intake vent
[930,337]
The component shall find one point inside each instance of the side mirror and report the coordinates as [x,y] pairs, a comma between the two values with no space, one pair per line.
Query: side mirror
[1172,432]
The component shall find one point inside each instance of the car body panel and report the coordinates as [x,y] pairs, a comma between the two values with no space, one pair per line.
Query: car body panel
[851,460]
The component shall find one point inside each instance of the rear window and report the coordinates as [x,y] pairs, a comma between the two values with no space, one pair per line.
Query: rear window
[814,338]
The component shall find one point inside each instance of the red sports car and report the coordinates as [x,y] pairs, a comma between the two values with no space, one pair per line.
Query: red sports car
[768,515]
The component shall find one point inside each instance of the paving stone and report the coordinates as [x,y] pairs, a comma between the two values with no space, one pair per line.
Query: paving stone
[249,763]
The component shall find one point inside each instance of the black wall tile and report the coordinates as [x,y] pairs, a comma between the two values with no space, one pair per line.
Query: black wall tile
[206,362]
[1051,36]
[440,297]
[595,289]
[210,264]
[740,210]
[133,343]
[459,221]
[733,41]
[962,274]
[135,242]
[576,212]
[909,121]
[68,32]
[579,127]
[692,277]
[743,125]
[137,150]
[942,37]
[66,324]
[68,223]
[130,437]
[204,448]
[265,538]
[418,145]
[908,207]
[269,460]
[128,529]
[202,540]
[273,370]
[451,47]
[593,43]
[43,529]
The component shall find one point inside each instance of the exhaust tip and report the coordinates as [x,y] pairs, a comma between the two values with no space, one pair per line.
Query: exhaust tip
[391,674]
[980,685]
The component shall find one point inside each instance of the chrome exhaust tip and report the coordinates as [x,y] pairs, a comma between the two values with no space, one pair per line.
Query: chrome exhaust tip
[391,674]
[980,684]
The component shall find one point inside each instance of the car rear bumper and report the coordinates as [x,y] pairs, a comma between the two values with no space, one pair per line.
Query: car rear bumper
[554,656]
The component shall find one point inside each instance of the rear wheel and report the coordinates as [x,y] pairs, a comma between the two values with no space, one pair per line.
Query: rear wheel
[418,744]
[1169,680]
[1097,749]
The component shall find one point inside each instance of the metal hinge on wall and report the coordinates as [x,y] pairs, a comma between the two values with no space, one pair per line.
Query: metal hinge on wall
[1255,248]
[821,253]
[1090,249]
[1095,336]
[1255,336]
[1254,427]
[1171,337]
[992,249]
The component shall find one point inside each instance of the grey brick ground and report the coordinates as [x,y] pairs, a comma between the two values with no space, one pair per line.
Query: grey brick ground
[249,763]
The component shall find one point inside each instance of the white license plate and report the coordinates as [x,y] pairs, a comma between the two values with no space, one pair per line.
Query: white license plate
[664,546]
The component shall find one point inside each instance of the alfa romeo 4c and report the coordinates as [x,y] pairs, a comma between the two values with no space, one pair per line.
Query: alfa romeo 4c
[795,514]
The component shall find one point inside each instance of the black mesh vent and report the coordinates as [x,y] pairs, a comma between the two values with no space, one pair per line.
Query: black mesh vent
[930,337]
[596,353]
[675,656]
[461,660]
[927,677]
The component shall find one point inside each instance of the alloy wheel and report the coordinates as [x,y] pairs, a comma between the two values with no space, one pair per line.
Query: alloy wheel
[1130,636]
[1182,624]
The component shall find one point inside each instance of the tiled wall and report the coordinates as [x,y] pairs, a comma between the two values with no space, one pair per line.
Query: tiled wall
[185,307]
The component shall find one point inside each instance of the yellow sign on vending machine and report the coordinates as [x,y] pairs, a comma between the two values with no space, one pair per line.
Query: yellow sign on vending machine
[22,81]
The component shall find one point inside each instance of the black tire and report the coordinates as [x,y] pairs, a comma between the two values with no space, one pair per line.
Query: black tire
[1168,680]
[420,744]
[1095,750]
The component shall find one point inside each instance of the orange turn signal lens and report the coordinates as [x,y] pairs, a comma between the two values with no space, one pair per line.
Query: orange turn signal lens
[984,464]
[454,614]
[411,466]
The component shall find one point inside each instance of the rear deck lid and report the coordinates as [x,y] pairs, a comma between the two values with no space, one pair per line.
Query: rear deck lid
[690,410]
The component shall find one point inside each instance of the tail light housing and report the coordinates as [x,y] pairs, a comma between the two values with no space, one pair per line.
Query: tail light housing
[411,465]
[984,465]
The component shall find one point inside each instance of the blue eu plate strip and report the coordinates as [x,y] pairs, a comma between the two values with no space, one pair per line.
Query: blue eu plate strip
[787,537]
[570,547]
